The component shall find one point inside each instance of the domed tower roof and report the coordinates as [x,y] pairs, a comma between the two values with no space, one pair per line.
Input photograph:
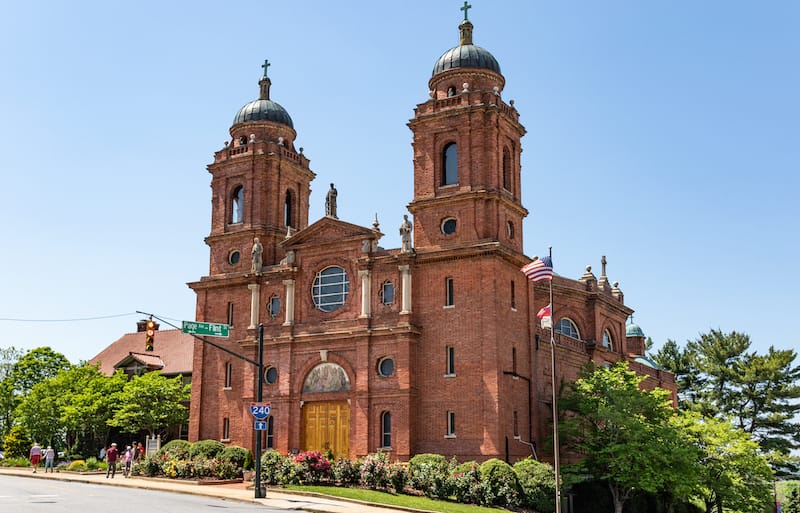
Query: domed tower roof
[633,330]
[263,109]
[466,54]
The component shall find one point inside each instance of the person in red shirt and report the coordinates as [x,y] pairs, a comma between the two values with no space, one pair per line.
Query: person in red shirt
[111,460]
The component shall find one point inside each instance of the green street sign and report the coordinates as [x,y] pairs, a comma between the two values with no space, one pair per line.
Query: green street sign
[211,329]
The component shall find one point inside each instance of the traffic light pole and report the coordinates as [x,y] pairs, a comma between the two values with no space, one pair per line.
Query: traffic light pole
[259,492]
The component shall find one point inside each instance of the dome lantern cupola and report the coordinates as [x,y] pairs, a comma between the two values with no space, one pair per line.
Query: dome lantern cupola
[263,109]
[474,65]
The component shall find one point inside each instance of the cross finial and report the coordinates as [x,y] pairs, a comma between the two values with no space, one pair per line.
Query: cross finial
[265,66]
[466,8]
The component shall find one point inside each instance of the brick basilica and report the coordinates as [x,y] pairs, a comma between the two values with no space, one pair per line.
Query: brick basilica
[433,347]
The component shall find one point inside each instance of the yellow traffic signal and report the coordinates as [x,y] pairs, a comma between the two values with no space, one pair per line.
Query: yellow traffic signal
[149,335]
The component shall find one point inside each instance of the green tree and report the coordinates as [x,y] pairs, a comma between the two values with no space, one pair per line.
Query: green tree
[733,474]
[718,376]
[625,434]
[40,412]
[152,403]
[792,500]
[17,443]
[90,402]
[35,366]
[8,400]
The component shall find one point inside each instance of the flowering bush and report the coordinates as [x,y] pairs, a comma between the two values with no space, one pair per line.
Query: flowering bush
[317,467]
[375,470]
[430,474]
[398,477]
[501,483]
[271,463]
[346,472]
[467,485]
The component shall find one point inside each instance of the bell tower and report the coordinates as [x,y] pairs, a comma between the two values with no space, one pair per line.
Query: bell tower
[260,186]
[466,154]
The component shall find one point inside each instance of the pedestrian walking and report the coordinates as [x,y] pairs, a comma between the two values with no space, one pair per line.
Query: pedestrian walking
[49,459]
[127,459]
[36,455]
[111,460]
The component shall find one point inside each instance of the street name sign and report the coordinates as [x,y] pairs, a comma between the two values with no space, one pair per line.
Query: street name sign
[211,329]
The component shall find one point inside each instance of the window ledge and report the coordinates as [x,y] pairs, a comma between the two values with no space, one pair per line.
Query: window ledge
[225,440]
[447,307]
[449,436]
[227,388]
[449,375]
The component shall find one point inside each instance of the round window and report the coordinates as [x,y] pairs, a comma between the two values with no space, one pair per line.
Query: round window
[331,287]
[386,367]
[234,257]
[449,226]
[271,376]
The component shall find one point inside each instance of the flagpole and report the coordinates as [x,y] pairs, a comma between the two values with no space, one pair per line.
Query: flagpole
[556,464]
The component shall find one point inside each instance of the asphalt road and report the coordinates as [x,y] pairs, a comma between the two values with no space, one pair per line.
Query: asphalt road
[24,495]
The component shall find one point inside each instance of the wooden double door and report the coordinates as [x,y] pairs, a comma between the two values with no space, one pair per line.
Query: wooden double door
[326,426]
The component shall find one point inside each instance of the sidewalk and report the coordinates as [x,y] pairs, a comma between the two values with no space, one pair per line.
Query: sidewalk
[234,492]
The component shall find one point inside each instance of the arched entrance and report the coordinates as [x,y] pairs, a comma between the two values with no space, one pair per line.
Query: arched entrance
[326,424]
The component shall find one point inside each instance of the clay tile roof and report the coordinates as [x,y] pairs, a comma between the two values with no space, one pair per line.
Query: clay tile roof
[172,355]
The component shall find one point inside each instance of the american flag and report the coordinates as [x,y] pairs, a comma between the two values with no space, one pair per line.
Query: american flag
[544,312]
[540,269]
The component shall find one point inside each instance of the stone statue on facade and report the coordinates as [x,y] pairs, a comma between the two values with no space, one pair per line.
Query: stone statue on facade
[257,252]
[330,202]
[405,235]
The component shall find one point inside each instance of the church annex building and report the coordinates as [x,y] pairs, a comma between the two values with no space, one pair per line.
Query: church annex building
[433,347]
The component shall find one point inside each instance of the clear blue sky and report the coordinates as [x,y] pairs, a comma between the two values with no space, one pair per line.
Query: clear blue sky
[663,135]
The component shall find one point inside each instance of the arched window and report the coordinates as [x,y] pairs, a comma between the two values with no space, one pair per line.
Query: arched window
[450,164]
[386,430]
[567,327]
[330,289]
[506,169]
[288,210]
[237,205]
[451,91]
[608,342]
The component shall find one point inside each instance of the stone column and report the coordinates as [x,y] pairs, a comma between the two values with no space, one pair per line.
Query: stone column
[289,284]
[406,289]
[254,287]
[366,293]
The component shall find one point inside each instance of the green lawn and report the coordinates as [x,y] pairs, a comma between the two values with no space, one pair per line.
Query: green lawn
[390,499]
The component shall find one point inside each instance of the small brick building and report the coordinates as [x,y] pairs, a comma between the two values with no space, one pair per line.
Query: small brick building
[431,347]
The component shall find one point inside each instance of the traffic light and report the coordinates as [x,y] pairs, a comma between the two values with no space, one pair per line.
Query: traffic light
[149,334]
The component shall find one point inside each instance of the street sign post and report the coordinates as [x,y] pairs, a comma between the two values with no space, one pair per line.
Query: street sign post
[210,329]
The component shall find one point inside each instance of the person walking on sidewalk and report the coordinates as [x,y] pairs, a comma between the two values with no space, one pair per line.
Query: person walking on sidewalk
[36,455]
[49,459]
[127,458]
[111,460]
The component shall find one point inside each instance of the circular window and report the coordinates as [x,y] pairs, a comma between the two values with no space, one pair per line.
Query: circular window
[449,226]
[234,257]
[331,287]
[271,376]
[386,367]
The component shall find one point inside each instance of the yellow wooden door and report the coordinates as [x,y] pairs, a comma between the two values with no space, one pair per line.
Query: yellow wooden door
[326,425]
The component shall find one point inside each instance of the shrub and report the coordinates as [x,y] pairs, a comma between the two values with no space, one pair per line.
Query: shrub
[206,449]
[93,464]
[77,466]
[150,467]
[17,442]
[375,470]
[500,483]
[430,474]
[537,482]
[239,456]
[175,449]
[398,477]
[467,484]
[346,472]
[271,463]
[292,473]
[15,461]
[317,467]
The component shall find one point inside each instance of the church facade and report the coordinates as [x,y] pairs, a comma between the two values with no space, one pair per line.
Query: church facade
[433,347]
